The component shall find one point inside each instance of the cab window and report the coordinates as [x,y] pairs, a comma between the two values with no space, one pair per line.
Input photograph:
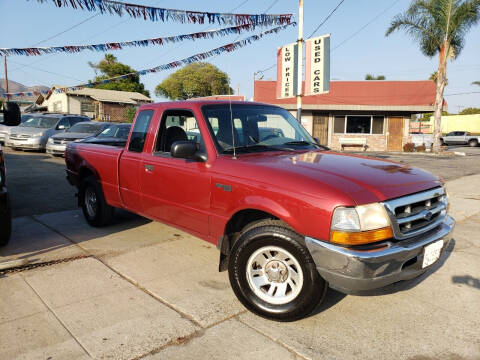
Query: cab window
[177,125]
[139,132]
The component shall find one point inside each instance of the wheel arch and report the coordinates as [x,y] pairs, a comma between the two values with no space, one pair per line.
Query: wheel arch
[237,222]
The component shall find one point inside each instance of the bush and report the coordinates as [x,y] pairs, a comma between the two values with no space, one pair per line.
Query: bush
[409,147]
[421,148]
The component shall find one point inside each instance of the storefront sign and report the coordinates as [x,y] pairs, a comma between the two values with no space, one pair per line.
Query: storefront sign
[317,69]
[287,71]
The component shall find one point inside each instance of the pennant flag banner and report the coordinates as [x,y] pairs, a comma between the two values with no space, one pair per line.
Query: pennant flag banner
[163,14]
[120,45]
[195,58]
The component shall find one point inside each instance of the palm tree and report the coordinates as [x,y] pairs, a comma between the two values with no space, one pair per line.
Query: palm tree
[439,26]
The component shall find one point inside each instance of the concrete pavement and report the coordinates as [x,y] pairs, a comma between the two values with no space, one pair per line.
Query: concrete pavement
[148,290]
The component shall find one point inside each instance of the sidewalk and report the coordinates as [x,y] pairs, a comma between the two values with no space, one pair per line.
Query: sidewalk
[149,290]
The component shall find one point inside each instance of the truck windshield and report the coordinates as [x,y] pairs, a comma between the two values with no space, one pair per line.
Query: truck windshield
[40,122]
[256,128]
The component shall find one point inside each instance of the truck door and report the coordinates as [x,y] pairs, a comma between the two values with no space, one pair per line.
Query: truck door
[176,191]
[131,163]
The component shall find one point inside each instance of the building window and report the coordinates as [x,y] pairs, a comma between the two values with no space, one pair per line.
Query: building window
[339,125]
[86,107]
[359,124]
[57,106]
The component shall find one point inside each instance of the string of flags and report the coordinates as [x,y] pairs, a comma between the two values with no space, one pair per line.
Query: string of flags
[35,51]
[164,14]
[189,60]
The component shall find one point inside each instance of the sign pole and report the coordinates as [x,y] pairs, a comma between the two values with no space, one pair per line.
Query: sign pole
[300,61]
[6,76]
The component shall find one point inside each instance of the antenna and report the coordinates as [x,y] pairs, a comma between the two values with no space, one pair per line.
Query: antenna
[231,122]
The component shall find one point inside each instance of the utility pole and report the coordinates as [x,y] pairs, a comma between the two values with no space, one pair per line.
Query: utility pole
[6,76]
[300,61]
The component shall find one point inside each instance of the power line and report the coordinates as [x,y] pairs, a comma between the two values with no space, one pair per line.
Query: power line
[328,17]
[46,71]
[364,26]
[271,5]
[464,93]
[66,30]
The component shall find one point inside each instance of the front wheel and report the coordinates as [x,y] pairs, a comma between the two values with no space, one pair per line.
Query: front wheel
[272,273]
[95,209]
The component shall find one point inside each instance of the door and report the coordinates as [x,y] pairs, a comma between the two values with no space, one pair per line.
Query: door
[174,190]
[395,134]
[131,162]
[320,128]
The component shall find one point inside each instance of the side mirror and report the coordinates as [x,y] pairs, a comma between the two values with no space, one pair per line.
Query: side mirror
[11,114]
[317,140]
[187,149]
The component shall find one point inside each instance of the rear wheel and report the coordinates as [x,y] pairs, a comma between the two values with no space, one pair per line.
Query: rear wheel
[473,142]
[6,224]
[95,209]
[272,273]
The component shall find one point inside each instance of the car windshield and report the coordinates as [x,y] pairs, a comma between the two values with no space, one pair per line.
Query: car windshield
[256,128]
[25,117]
[40,122]
[85,128]
[115,131]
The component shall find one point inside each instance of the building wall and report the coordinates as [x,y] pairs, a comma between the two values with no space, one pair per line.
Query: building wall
[470,123]
[57,102]
[113,112]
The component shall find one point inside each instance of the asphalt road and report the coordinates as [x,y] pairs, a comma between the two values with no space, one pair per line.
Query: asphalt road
[38,185]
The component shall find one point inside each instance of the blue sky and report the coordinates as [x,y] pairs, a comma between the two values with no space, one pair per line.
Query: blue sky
[25,23]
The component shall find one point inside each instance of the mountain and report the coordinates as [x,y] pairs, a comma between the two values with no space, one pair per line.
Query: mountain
[14,87]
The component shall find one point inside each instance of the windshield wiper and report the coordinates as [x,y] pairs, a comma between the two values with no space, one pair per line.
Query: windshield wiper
[253,148]
[303,142]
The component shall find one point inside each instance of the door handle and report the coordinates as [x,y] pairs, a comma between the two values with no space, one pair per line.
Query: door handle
[149,168]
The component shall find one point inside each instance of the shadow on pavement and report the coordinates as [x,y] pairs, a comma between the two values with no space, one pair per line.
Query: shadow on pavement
[467,280]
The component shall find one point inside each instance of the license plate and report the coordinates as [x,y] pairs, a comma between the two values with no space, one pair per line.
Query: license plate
[431,253]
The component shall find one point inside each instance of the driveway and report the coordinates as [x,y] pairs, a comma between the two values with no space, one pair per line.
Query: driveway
[140,289]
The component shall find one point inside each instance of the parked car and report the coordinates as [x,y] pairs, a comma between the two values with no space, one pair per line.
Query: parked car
[5,130]
[56,144]
[288,216]
[460,138]
[113,135]
[9,116]
[33,134]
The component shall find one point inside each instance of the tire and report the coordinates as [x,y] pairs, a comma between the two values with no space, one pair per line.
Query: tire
[289,286]
[473,142]
[95,209]
[6,225]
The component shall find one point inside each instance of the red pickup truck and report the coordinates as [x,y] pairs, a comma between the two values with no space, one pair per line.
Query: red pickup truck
[289,216]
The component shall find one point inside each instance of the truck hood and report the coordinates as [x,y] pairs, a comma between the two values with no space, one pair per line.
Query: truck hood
[362,178]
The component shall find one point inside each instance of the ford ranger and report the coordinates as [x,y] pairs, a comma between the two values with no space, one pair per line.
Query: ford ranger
[289,216]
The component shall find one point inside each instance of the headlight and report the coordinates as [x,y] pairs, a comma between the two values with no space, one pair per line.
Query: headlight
[360,225]
[77,140]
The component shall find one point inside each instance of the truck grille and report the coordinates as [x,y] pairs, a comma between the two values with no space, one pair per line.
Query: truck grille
[415,214]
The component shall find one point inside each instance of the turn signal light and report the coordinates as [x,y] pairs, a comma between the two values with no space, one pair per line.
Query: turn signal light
[362,237]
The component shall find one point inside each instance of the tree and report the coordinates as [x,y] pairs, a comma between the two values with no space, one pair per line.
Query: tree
[373,77]
[439,26]
[433,77]
[109,67]
[194,80]
[476,83]
[469,111]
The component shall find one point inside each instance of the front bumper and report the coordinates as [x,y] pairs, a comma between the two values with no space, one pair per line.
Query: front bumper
[56,149]
[34,143]
[353,271]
